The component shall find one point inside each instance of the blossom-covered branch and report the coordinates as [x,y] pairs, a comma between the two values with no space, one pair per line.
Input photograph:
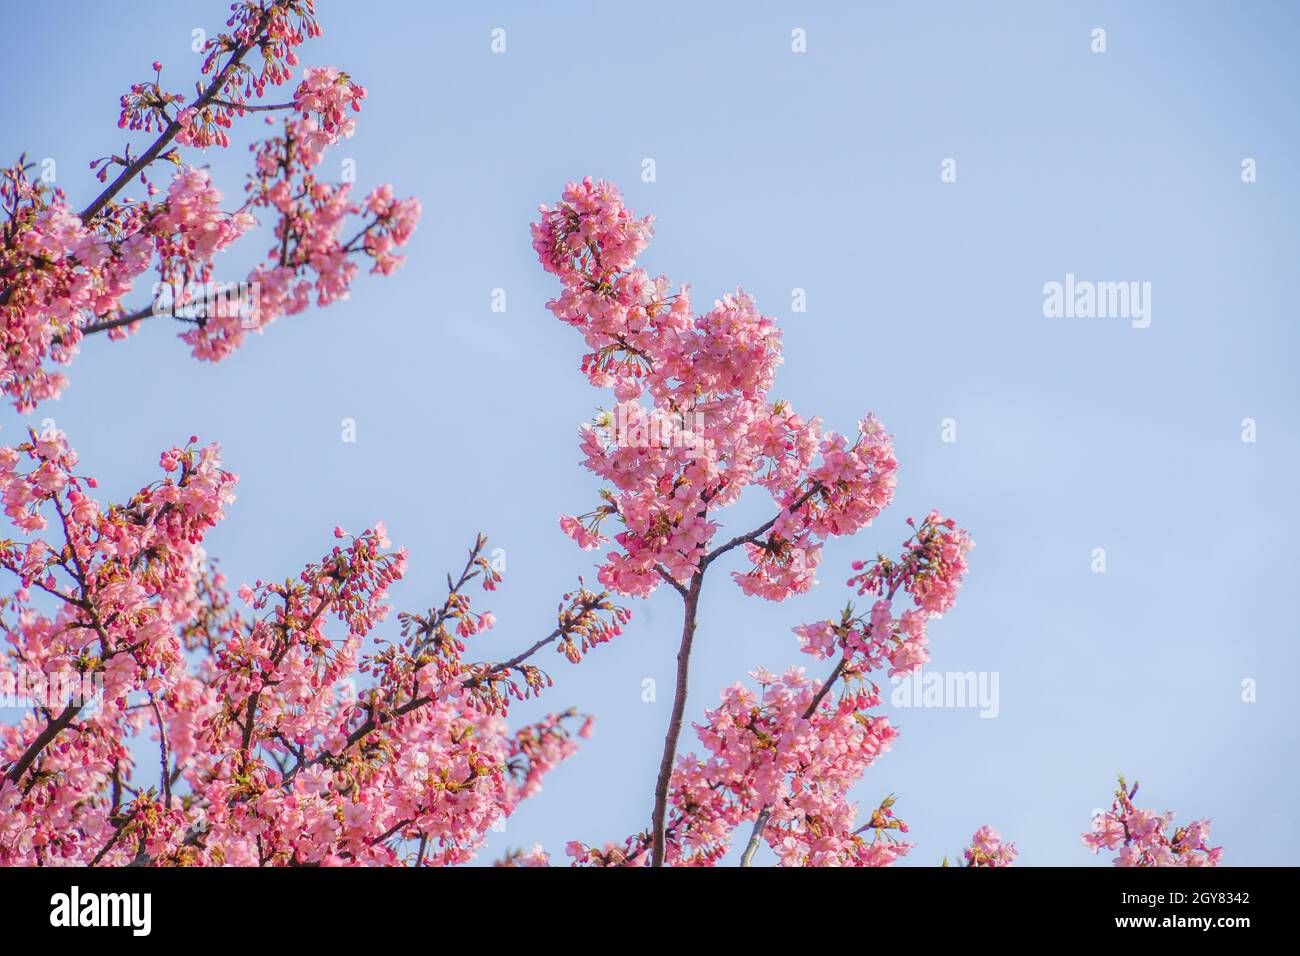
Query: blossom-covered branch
[692,426]
[65,275]
[1146,838]
[267,751]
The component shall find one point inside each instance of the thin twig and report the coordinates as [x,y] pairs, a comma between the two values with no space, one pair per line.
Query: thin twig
[174,126]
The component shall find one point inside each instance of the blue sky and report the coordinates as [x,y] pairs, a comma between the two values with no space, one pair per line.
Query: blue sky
[777,171]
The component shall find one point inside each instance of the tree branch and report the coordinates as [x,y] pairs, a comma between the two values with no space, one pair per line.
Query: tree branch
[107,324]
[117,832]
[206,98]
[676,585]
[691,601]
[371,723]
[162,747]
[52,730]
[253,108]
[760,530]
[759,826]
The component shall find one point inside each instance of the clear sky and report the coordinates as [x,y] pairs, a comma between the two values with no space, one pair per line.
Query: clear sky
[779,171]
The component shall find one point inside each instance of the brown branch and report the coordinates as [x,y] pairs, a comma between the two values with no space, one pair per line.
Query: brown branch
[52,730]
[676,585]
[760,530]
[162,747]
[371,723]
[760,825]
[391,830]
[206,98]
[821,694]
[691,602]
[126,319]
[117,832]
[254,108]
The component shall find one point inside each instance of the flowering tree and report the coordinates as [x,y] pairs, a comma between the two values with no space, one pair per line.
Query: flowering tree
[65,274]
[691,427]
[267,752]
[287,729]
[784,759]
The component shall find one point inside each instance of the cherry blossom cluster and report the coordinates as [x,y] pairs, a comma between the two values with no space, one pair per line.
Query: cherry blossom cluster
[311,260]
[146,107]
[268,751]
[930,570]
[189,229]
[325,94]
[714,373]
[274,28]
[988,849]
[121,577]
[413,769]
[1145,838]
[795,752]
[100,591]
[64,274]
[691,427]
[785,758]
[54,272]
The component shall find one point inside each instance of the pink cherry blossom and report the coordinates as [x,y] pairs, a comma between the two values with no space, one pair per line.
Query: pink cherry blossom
[692,425]
[325,94]
[65,275]
[988,849]
[270,754]
[707,379]
[1145,838]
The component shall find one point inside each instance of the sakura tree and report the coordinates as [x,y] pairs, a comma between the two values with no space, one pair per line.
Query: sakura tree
[282,738]
[783,759]
[267,751]
[283,722]
[690,428]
